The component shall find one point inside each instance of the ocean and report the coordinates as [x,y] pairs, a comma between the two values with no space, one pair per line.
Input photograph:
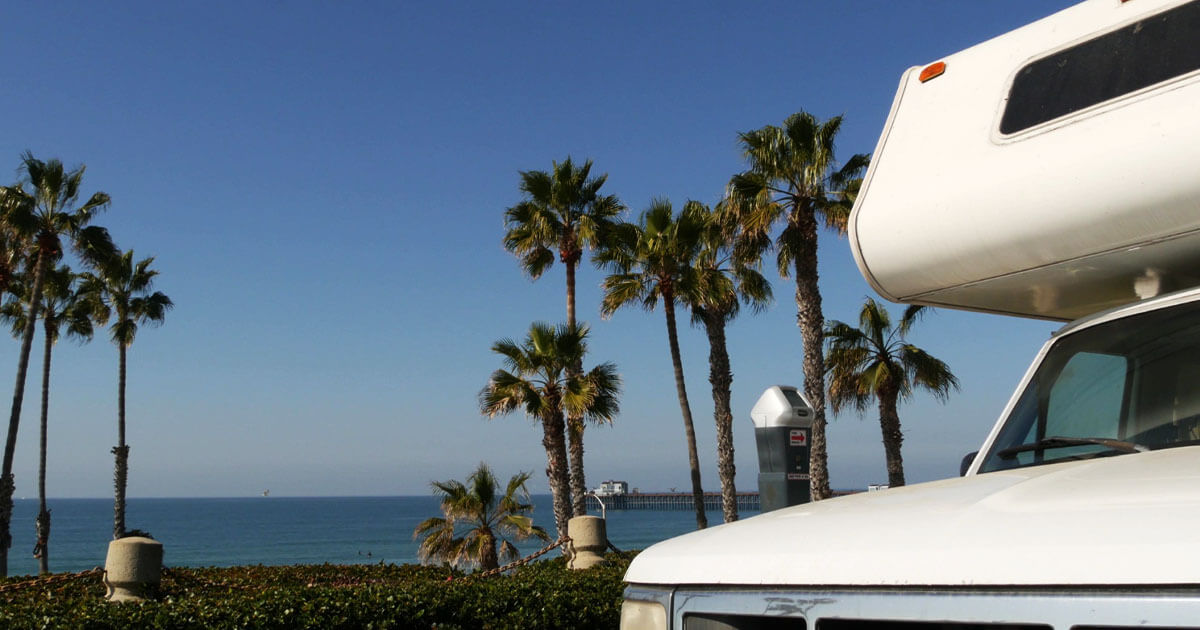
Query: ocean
[282,530]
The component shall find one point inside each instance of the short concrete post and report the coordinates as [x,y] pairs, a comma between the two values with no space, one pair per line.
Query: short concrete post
[133,568]
[588,541]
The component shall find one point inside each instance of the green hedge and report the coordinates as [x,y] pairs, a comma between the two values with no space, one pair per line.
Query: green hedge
[542,595]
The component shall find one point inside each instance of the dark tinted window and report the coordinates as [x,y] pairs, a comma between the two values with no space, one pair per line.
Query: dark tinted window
[1153,50]
[855,624]
[793,398]
[741,622]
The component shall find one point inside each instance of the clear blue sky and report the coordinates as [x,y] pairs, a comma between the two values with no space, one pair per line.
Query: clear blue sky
[322,186]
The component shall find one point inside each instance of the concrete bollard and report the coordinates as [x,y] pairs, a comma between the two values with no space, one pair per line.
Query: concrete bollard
[133,568]
[588,541]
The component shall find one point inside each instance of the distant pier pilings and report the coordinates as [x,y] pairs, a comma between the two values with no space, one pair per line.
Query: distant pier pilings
[670,501]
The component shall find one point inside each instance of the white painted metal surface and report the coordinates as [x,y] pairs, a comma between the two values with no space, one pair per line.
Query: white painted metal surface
[1070,217]
[1123,520]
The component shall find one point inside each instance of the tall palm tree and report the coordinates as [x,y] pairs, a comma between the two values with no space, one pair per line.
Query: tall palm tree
[121,290]
[652,260]
[61,306]
[725,279]
[794,179]
[487,517]
[564,212]
[538,378]
[875,361]
[41,210]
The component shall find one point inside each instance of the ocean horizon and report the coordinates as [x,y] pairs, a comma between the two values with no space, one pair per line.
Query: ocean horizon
[282,530]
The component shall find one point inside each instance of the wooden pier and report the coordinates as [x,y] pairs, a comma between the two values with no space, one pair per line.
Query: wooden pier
[667,501]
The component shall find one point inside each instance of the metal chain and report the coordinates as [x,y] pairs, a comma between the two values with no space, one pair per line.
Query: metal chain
[177,577]
[565,540]
[48,580]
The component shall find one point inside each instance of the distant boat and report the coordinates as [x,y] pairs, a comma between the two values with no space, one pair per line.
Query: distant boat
[266,493]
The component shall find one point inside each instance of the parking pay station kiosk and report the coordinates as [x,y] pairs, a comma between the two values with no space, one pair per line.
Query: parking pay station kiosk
[782,424]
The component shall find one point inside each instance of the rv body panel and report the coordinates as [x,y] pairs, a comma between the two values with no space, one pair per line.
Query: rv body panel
[996,529]
[1083,212]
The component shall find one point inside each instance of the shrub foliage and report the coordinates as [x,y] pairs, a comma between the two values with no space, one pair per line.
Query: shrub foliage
[541,595]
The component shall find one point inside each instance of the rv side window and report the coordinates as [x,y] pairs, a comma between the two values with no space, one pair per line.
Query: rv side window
[1155,49]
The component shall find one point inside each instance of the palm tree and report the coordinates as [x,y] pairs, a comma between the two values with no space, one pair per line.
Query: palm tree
[121,290]
[563,212]
[61,305]
[41,211]
[725,279]
[875,361]
[538,378]
[487,516]
[794,179]
[652,260]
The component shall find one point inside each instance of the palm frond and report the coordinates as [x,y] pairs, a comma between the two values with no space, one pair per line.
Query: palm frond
[121,287]
[594,395]
[792,175]
[875,322]
[483,488]
[928,372]
[562,211]
[912,314]
[622,289]
[507,392]
[866,362]
[464,533]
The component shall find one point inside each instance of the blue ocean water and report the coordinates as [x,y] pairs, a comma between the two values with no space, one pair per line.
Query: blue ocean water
[281,530]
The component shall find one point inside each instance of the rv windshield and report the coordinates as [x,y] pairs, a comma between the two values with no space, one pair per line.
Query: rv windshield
[1124,386]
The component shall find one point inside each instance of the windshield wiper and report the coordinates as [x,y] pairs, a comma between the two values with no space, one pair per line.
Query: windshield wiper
[1058,441]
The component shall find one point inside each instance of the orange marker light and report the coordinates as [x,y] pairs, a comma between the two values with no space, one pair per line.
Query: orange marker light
[933,70]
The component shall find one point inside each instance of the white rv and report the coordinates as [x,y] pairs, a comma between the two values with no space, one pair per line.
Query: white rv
[1052,172]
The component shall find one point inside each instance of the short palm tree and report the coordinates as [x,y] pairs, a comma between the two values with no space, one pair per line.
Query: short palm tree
[563,212]
[651,261]
[794,179]
[875,362]
[475,517]
[40,212]
[725,279]
[61,306]
[538,378]
[121,291]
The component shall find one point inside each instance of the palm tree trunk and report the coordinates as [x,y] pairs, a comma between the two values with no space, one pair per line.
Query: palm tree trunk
[556,469]
[889,422]
[121,454]
[721,377]
[688,428]
[488,559]
[812,323]
[7,484]
[571,296]
[576,479]
[575,424]
[42,524]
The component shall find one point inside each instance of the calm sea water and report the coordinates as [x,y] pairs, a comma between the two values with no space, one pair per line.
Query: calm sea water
[281,530]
